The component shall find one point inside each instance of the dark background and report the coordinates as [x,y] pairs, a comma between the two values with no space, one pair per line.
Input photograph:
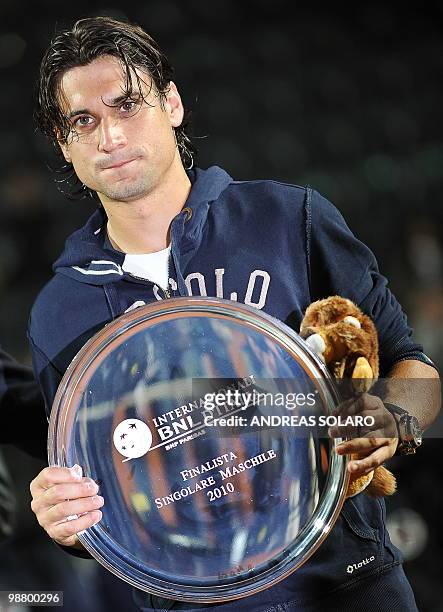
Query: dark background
[347,99]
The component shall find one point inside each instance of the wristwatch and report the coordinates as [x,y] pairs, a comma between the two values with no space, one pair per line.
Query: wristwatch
[410,434]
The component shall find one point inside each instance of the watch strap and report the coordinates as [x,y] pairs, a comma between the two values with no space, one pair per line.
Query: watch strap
[394,408]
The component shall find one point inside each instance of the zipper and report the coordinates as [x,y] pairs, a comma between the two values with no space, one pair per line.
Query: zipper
[166,292]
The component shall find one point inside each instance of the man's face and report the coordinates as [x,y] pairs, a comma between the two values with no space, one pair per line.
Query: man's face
[122,149]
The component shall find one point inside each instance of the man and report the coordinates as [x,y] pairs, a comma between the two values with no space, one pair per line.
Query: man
[23,424]
[7,503]
[22,408]
[106,99]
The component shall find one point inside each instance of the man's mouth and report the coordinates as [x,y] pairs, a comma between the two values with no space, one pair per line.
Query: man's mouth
[119,164]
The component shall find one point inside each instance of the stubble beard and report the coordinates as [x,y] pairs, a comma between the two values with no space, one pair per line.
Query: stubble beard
[125,191]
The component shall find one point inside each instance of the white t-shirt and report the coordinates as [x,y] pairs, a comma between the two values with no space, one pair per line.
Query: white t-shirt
[151,266]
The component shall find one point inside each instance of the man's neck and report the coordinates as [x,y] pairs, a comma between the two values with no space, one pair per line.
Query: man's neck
[142,226]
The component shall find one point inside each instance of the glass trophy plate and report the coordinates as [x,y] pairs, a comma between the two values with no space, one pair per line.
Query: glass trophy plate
[199,419]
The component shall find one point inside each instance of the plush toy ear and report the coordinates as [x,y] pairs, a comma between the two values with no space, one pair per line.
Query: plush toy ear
[362,375]
[352,321]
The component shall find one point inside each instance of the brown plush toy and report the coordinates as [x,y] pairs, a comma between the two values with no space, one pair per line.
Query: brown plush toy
[346,340]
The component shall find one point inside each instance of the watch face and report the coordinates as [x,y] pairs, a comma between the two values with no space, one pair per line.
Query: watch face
[205,500]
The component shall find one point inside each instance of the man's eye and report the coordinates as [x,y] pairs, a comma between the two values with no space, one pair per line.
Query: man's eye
[128,106]
[83,121]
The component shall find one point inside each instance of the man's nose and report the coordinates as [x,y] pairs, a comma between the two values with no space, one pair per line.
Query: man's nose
[111,135]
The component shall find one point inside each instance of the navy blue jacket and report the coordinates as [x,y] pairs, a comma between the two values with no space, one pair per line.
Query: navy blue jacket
[271,245]
[274,246]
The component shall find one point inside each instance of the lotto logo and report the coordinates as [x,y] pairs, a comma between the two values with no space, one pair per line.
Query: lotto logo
[351,568]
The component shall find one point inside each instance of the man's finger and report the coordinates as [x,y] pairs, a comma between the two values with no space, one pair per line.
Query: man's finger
[60,492]
[50,476]
[360,445]
[356,405]
[66,533]
[372,461]
[60,512]
[377,420]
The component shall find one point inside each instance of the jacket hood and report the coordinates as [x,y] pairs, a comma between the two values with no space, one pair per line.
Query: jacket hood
[88,256]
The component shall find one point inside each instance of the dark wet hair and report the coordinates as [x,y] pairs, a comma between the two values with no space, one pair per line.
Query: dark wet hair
[88,40]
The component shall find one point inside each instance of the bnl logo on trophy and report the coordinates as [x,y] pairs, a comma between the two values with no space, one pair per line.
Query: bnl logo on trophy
[132,438]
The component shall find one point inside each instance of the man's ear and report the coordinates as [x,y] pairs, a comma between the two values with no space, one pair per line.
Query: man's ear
[64,148]
[65,152]
[174,105]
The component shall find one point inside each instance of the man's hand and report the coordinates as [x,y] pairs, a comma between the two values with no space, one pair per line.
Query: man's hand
[373,446]
[65,503]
